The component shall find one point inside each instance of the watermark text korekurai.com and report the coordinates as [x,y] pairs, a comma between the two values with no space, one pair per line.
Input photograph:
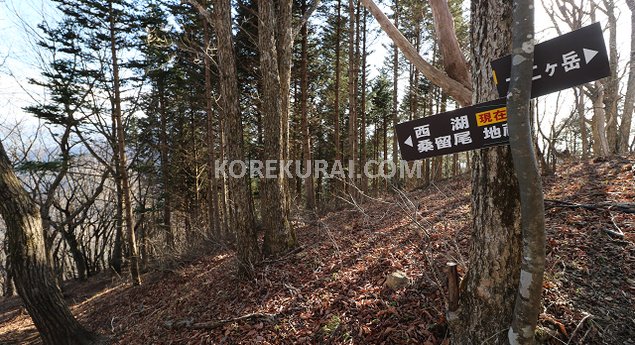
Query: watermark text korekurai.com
[317,168]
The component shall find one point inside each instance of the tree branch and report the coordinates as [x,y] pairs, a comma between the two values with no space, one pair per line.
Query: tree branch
[455,89]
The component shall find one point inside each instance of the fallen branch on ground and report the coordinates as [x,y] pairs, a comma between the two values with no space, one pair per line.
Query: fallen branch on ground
[624,207]
[285,256]
[190,324]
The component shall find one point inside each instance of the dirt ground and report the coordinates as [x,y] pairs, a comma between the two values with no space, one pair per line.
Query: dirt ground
[332,291]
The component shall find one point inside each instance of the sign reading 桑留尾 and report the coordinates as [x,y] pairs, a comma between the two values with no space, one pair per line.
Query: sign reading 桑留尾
[572,59]
[464,129]
[565,61]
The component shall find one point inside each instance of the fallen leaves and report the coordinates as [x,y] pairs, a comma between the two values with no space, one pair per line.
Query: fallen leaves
[333,292]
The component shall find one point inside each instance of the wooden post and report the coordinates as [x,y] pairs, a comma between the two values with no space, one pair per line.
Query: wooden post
[453,287]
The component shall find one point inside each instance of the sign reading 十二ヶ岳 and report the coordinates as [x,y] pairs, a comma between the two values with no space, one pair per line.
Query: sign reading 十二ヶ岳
[572,59]
[464,129]
[565,61]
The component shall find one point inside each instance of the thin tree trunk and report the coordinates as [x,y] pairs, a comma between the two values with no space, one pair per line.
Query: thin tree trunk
[165,169]
[395,90]
[336,120]
[528,306]
[579,95]
[611,85]
[352,81]
[213,210]
[600,142]
[306,143]
[362,137]
[116,259]
[121,144]
[29,264]
[629,99]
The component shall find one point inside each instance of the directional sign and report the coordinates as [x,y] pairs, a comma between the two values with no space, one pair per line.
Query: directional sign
[563,62]
[464,129]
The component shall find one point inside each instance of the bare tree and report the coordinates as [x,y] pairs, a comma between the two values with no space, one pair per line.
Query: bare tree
[629,99]
[29,264]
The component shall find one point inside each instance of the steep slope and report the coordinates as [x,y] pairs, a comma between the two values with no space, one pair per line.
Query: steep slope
[332,290]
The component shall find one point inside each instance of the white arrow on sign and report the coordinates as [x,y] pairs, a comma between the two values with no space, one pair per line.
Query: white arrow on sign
[409,141]
[589,54]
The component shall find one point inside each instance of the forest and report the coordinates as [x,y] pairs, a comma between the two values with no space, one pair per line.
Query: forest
[231,172]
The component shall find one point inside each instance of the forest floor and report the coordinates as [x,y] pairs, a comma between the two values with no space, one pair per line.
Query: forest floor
[333,291]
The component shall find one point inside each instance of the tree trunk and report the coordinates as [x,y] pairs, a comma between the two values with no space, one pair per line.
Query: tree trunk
[611,83]
[306,133]
[239,189]
[454,62]
[76,253]
[487,301]
[529,296]
[336,120]
[33,278]
[352,84]
[600,143]
[116,256]
[121,148]
[579,96]
[9,282]
[454,88]
[213,210]
[395,91]
[279,235]
[629,99]
[165,169]
[362,137]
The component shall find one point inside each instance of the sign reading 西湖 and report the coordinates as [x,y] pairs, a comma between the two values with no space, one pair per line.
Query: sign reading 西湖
[565,61]
[572,59]
[464,129]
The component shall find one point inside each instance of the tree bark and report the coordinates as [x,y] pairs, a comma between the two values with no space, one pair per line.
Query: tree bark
[362,138]
[352,84]
[279,235]
[239,190]
[629,99]
[395,91]
[453,60]
[336,120]
[306,133]
[611,83]
[454,88]
[528,306]
[29,264]
[579,96]
[213,210]
[165,168]
[487,301]
[73,246]
[121,148]
[600,142]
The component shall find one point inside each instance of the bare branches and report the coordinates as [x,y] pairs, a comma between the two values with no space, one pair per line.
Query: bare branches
[201,10]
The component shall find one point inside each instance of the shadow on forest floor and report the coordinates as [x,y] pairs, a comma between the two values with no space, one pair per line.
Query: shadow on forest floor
[332,291]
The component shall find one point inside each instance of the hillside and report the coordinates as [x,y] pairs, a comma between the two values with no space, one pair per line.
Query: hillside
[332,289]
